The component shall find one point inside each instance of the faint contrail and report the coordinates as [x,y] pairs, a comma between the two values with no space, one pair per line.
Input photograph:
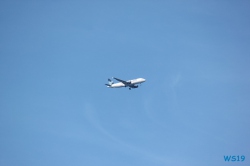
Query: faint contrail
[92,116]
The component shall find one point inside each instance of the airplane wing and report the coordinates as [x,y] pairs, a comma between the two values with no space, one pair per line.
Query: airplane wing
[124,82]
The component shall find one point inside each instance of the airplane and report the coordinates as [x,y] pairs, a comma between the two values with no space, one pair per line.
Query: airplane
[130,83]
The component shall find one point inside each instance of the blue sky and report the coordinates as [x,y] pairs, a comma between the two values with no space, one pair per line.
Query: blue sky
[56,56]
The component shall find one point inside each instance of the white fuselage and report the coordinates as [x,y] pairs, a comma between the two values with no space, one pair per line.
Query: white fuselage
[132,82]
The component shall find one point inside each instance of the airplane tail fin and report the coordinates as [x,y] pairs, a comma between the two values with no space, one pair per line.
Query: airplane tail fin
[110,82]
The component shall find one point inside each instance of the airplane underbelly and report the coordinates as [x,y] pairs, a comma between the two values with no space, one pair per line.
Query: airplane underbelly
[118,85]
